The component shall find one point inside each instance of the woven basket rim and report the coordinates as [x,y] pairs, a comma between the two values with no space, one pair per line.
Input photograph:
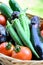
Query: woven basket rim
[17,60]
[30,16]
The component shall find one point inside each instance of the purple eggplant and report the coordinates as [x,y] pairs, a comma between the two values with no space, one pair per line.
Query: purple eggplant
[38,44]
[3,34]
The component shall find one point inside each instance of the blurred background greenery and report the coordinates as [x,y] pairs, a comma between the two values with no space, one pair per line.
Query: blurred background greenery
[35,7]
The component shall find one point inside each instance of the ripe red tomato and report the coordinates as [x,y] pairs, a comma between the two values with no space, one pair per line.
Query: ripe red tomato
[2,20]
[41,25]
[6,48]
[24,54]
[42,33]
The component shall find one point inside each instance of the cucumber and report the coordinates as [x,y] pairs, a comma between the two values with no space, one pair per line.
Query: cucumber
[13,34]
[16,24]
[14,5]
[7,11]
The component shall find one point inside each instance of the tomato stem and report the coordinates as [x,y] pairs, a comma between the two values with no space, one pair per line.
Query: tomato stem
[17,48]
[8,46]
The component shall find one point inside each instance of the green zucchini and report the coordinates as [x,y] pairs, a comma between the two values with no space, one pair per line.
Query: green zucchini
[14,5]
[16,24]
[13,34]
[7,11]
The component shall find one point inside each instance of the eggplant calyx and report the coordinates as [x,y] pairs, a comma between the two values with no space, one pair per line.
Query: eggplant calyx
[35,20]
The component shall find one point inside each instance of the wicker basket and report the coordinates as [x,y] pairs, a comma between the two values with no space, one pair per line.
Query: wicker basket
[5,60]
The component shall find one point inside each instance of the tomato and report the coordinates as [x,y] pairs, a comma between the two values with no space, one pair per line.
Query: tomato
[42,33]
[2,20]
[41,25]
[24,53]
[6,48]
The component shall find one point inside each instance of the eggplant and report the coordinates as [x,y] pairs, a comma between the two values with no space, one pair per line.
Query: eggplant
[38,44]
[3,34]
[15,14]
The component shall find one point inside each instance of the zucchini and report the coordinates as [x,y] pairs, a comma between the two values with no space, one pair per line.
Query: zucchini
[13,34]
[14,5]
[7,11]
[16,24]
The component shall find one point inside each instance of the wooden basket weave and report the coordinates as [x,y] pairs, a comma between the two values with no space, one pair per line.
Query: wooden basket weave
[5,60]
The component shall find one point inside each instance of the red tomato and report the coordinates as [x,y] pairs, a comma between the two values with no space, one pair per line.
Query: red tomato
[24,53]
[2,20]
[4,49]
[41,25]
[42,33]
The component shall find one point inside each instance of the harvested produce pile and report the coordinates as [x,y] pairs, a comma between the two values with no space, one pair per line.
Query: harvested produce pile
[20,37]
